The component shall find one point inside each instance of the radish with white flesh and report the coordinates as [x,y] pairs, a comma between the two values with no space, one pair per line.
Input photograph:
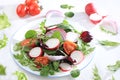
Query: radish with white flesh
[77,56]
[35,52]
[51,28]
[55,58]
[62,32]
[109,26]
[52,43]
[71,36]
[95,18]
[65,67]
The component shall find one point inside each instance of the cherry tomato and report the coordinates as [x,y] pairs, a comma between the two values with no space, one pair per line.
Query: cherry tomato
[21,10]
[34,9]
[29,2]
[42,60]
[28,42]
[69,47]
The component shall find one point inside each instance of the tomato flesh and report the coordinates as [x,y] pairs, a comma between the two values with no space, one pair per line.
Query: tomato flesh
[69,47]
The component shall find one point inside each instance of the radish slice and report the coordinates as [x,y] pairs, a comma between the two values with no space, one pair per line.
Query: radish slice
[54,16]
[35,52]
[52,43]
[51,28]
[65,67]
[77,56]
[63,33]
[54,13]
[109,26]
[55,58]
[95,18]
[71,36]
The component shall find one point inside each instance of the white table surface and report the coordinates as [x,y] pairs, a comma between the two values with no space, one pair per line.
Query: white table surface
[102,58]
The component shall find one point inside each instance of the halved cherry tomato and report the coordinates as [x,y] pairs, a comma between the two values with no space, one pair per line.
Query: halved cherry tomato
[28,42]
[69,47]
[34,9]
[29,2]
[42,60]
[21,10]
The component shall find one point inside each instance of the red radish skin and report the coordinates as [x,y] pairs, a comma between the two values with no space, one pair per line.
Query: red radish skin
[65,67]
[63,33]
[90,9]
[52,43]
[95,18]
[77,56]
[35,52]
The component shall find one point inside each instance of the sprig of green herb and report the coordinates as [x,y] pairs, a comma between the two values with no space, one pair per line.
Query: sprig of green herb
[106,31]
[113,78]
[96,74]
[42,26]
[84,47]
[109,43]
[20,75]
[114,67]
[4,22]
[2,70]
[66,6]
[3,41]
[75,73]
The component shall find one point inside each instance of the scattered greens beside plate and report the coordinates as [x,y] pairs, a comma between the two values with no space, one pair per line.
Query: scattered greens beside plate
[3,41]
[20,75]
[114,67]
[109,43]
[2,70]
[96,75]
[4,22]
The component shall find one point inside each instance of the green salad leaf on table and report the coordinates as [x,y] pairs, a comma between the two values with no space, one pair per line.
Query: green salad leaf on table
[3,42]
[4,21]
[2,70]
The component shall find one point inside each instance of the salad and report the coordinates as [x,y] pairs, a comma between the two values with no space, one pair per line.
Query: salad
[53,49]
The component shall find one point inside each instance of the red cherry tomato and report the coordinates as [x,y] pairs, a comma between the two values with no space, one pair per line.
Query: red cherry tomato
[21,10]
[29,2]
[34,9]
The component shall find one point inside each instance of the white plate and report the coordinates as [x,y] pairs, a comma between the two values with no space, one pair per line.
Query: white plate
[19,36]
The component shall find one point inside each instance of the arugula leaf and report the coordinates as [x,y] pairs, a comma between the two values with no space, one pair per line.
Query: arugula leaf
[44,71]
[4,22]
[42,26]
[56,65]
[24,60]
[30,34]
[106,31]
[84,47]
[96,74]
[114,67]
[57,35]
[75,73]
[2,70]
[69,14]
[17,47]
[20,75]
[66,26]
[66,6]
[109,43]
[3,41]
[113,78]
